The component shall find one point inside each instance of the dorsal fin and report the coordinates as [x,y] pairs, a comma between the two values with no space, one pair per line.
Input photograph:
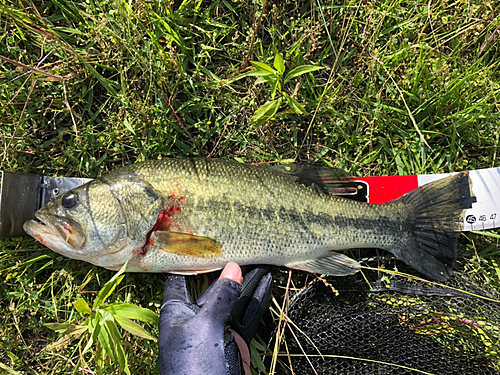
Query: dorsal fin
[324,179]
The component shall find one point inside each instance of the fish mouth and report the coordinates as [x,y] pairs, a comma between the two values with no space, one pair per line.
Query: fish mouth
[61,234]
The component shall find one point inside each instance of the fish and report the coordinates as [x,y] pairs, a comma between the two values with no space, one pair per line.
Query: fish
[190,216]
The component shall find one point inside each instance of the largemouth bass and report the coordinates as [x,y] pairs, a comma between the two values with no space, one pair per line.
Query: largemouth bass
[190,216]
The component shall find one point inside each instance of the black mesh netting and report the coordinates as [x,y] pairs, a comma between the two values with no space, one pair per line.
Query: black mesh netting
[398,327]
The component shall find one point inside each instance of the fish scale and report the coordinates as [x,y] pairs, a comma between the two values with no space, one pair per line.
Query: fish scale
[195,215]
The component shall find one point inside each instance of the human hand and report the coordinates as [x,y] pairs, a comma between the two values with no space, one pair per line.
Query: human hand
[213,334]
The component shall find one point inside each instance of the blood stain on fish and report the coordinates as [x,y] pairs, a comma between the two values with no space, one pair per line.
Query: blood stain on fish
[163,223]
[40,238]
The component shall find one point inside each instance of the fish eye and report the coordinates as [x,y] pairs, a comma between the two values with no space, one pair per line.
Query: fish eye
[69,200]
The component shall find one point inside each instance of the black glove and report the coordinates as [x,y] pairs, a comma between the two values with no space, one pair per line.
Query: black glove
[205,337]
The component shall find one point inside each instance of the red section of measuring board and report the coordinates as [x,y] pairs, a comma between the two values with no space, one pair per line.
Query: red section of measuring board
[383,189]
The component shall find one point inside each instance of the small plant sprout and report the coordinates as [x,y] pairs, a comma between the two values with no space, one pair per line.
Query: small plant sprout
[100,326]
[277,79]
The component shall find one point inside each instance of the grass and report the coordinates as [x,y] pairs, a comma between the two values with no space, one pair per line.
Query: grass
[86,86]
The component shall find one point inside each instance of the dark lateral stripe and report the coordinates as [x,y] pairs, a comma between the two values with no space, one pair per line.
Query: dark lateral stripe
[305,219]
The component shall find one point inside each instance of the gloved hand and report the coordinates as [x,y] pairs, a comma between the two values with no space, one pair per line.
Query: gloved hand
[207,336]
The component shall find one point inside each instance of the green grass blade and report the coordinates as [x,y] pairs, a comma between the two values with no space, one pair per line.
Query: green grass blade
[133,312]
[133,327]
[115,344]
[296,106]
[82,307]
[279,64]
[109,287]
[266,111]
[301,70]
[262,68]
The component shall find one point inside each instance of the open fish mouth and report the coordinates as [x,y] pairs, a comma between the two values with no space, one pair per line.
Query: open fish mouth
[38,228]
[44,234]
[56,232]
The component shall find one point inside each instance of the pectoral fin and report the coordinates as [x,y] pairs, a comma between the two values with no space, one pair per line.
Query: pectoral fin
[185,244]
[334,264]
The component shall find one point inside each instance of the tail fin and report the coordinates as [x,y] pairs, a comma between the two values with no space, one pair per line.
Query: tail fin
[436,213]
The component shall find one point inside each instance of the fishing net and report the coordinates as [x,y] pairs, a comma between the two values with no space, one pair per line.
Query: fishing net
[391,325]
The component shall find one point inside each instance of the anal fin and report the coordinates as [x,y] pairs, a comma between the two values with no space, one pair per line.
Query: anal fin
[334,264]
[193,272]
[185,244]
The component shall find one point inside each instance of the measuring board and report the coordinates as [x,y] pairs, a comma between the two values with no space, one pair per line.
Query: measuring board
[484,214]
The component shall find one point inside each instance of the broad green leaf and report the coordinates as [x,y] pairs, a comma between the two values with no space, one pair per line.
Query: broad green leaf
[8,370]
[100,357]
[258,73]
[91,321]
[129,311]
[279,64]
[266,111]
[129,127]
[106,340]
[133,327]
[256,360]
[251,73]
[14,358]
[110,339]
[358,78]
[115,337]
[107,290]
[296,106]
[109,287]
[82,307]
[94,327]
[105,316]
[261,67]
[257,344]
[275,86]
[66,328]
[266,79]
[300,70]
